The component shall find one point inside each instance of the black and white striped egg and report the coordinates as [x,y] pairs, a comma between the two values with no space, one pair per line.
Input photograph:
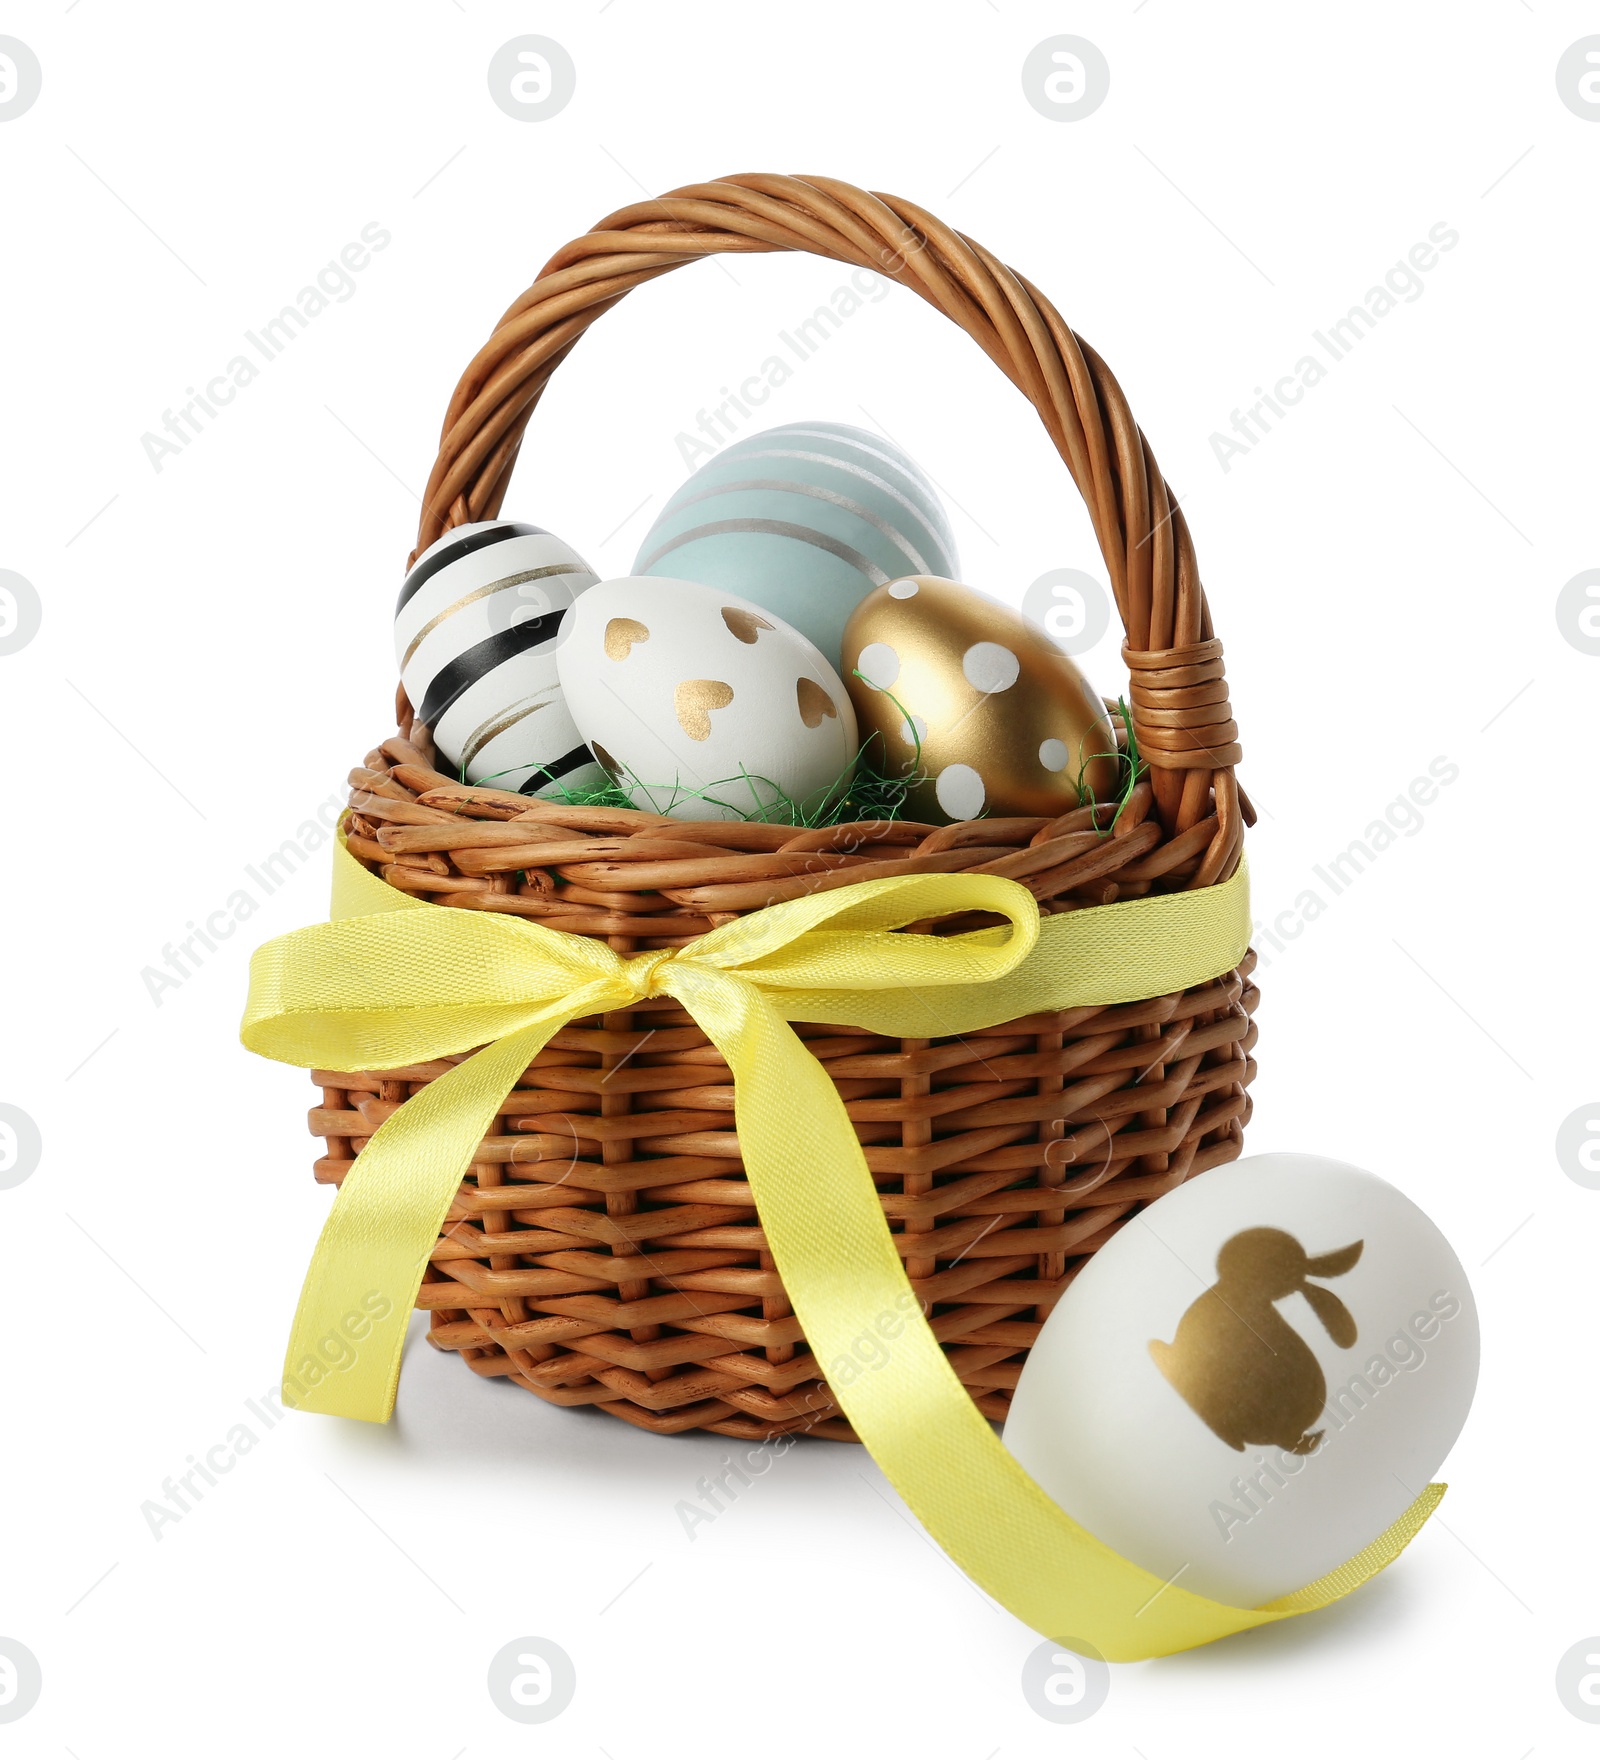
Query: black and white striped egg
[475,635]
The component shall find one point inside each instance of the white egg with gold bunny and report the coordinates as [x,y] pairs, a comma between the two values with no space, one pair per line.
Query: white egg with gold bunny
[1254,1378]
[703,705]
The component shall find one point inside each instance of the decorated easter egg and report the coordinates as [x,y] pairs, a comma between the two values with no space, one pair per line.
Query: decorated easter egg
[475,635]
[703,705]
[1249,1383]
[803,520]
[977,700]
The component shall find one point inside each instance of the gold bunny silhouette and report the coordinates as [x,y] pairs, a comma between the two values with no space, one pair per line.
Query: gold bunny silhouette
[1239,1365]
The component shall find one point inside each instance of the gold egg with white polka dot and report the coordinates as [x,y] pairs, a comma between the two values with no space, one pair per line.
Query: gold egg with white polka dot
[977,702]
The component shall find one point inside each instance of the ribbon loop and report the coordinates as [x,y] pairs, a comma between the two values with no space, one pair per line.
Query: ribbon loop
[376,992]
[394,981]
[799,941]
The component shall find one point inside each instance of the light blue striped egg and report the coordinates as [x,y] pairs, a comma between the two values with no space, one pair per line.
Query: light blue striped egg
[804,520]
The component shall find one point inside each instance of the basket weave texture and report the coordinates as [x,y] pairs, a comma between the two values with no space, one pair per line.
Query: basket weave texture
[604,1249]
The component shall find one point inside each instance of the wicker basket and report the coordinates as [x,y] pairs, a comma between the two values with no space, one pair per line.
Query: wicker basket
[604,1250]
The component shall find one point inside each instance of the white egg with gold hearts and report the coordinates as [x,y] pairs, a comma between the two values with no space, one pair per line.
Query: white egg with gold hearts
[703,705]
[1254,1378]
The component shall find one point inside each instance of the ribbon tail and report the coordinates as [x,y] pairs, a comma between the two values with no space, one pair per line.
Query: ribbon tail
[1367,1562]
[349,1329]
[827,1233]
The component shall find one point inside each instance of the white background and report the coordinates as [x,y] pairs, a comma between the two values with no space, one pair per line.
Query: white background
[215,654]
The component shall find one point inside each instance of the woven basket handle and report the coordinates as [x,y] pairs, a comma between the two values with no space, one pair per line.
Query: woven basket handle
[1178,696]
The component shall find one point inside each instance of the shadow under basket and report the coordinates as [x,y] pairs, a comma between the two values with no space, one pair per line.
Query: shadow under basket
[603,1249]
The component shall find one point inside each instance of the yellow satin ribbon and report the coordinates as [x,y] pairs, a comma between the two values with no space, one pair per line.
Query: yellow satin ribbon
[394,981]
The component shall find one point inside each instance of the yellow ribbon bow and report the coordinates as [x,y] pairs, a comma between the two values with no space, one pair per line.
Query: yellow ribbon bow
[395,981]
